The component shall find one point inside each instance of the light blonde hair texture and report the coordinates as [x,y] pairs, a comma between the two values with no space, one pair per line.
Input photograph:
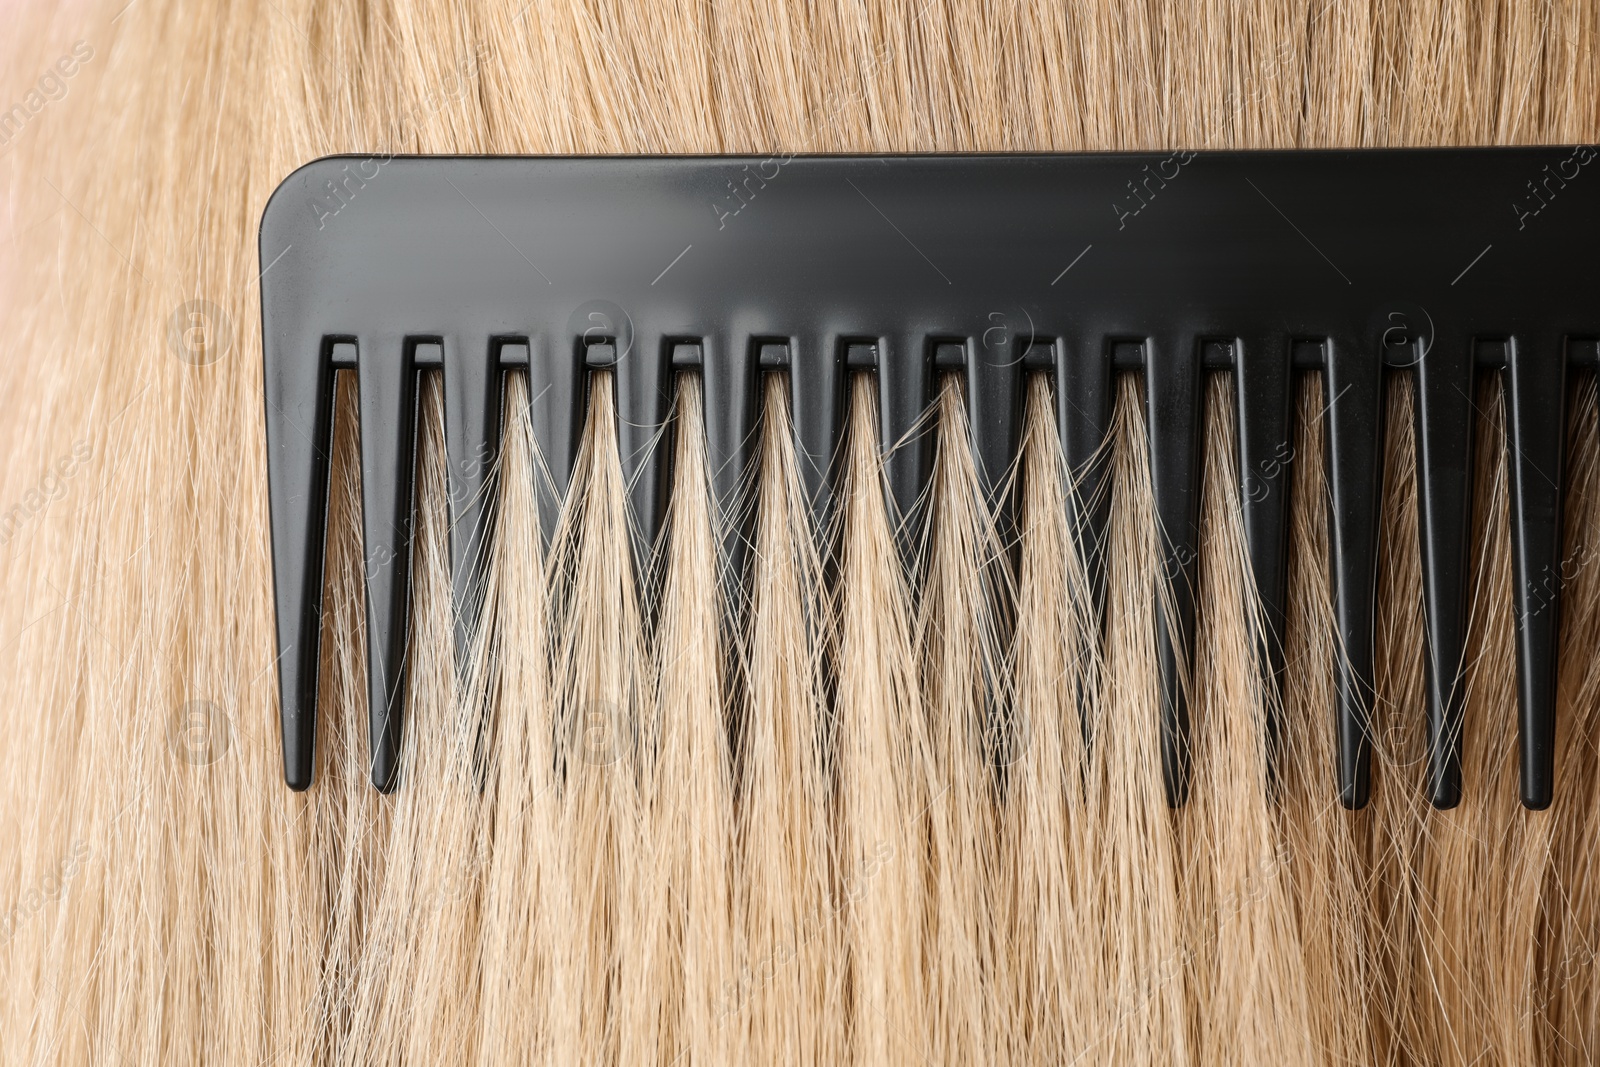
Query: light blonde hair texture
[830,810]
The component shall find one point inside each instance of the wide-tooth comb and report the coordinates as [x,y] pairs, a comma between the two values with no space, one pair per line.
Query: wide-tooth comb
[1440,263]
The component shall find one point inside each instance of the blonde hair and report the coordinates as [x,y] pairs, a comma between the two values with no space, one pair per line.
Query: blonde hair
[833,809]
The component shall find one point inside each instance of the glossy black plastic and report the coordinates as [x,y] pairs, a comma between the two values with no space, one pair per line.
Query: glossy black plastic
[1438,263]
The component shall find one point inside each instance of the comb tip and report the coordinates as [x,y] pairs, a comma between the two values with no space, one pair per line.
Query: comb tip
[1177,790]
[297,778]
[385,771]
[1536,447]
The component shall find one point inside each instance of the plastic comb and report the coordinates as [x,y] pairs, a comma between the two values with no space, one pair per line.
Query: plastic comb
[1442,264]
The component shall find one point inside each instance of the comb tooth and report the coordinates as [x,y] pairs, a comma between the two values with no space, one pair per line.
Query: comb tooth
[728,384]
[1536,435]
[557,396]
[1353,383]
[388,386]
[1262,378]
[1172,396]
[472,388]
[1086,387]
[299,408]
[994,413]
[904,390]
[1444,421]
[816,402]
[643,400]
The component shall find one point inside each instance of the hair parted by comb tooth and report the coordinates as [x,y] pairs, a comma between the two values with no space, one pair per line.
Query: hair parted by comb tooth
[1331,909]
[348,824]
[687,934]
[966,693]
[544,885]
[429,1014]
[788,976]
[1567,1000]
[527,888]
[1142,1012]
[1472,1004]
[882,760]
[1399,751]
[599,683]
[1044,882]
[1240,941]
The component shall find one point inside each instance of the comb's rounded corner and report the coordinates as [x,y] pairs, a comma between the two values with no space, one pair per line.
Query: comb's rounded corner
[307,197]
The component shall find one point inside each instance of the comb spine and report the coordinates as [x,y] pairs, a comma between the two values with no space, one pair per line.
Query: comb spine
[1536,440]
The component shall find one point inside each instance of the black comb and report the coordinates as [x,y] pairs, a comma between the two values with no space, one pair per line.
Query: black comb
[1440,263]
